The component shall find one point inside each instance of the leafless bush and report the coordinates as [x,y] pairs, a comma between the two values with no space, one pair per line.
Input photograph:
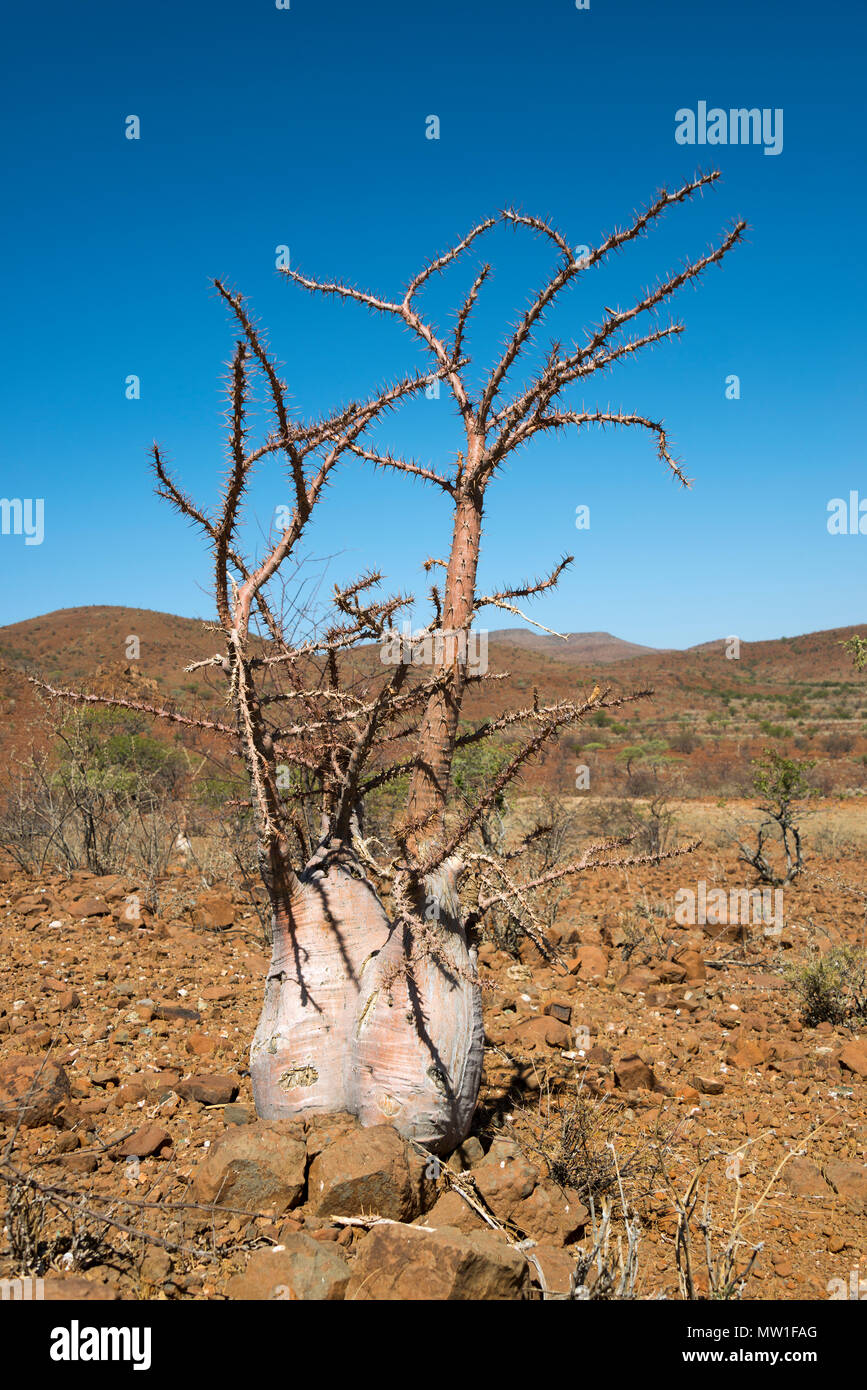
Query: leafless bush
[727,1256]
[782,785]
[37,1242]
[832,841]
[685,741]
[226,850]
[650,828]
[836,744]
[609,1269]
[575,1139]
[100,799]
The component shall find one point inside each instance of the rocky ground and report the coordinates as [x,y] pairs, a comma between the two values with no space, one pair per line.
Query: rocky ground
[650,1064]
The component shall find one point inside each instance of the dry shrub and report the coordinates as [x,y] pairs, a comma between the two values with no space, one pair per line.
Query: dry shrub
[832,987]
[575,1137]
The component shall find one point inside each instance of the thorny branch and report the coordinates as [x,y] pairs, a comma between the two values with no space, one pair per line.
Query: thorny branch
[360,722]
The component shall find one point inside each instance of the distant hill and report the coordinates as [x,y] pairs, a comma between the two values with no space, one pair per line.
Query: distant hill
[72,642]
[801,691]
[597,648]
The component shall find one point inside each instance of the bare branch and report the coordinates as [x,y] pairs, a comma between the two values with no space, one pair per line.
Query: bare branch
[528,590]
[560,419]
[238,472]
[434,267]
[598,699]
[588,860]
[402,465]
[336,287]
[550,721]
[277,388]
[571,266]
[466,309]
[560,372]
[119,702]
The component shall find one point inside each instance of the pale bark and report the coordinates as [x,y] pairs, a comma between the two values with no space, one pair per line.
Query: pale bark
[361,1016]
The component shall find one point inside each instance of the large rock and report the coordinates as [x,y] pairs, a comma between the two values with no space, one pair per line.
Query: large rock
[32,1088]
[74,1288]
[551,1214]
[803,1178]
[320,1131]
[853,1056]
[748,1053]
[145,1143]
[693,964]
[208,1090]
[668,972]
[544,1031]
[849,1181]
[559,1006]
[467,1155]
[89,907]
[304,1269]
[505,1178]
[176,1013]
[370,1172]
[638,980]
[404,1263]
[590,962]
[552,1269]
[254,1167]
[451,1210]
[633,1074]
[132,914]
[708,1085]
[214,912]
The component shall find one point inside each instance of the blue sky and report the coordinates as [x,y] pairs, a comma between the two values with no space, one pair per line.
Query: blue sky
[306,127]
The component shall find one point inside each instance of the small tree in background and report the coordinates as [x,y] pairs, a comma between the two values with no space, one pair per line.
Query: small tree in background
[782,784]
[372,1000]
[856,647]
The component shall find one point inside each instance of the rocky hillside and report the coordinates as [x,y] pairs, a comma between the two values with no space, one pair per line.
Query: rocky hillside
[710,710]
[125,1026]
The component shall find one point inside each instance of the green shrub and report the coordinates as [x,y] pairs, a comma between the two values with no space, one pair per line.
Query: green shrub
[774,730]
[833,987]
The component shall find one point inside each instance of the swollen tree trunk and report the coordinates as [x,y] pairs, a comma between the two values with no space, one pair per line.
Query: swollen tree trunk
[352,1022]
[421,1036]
